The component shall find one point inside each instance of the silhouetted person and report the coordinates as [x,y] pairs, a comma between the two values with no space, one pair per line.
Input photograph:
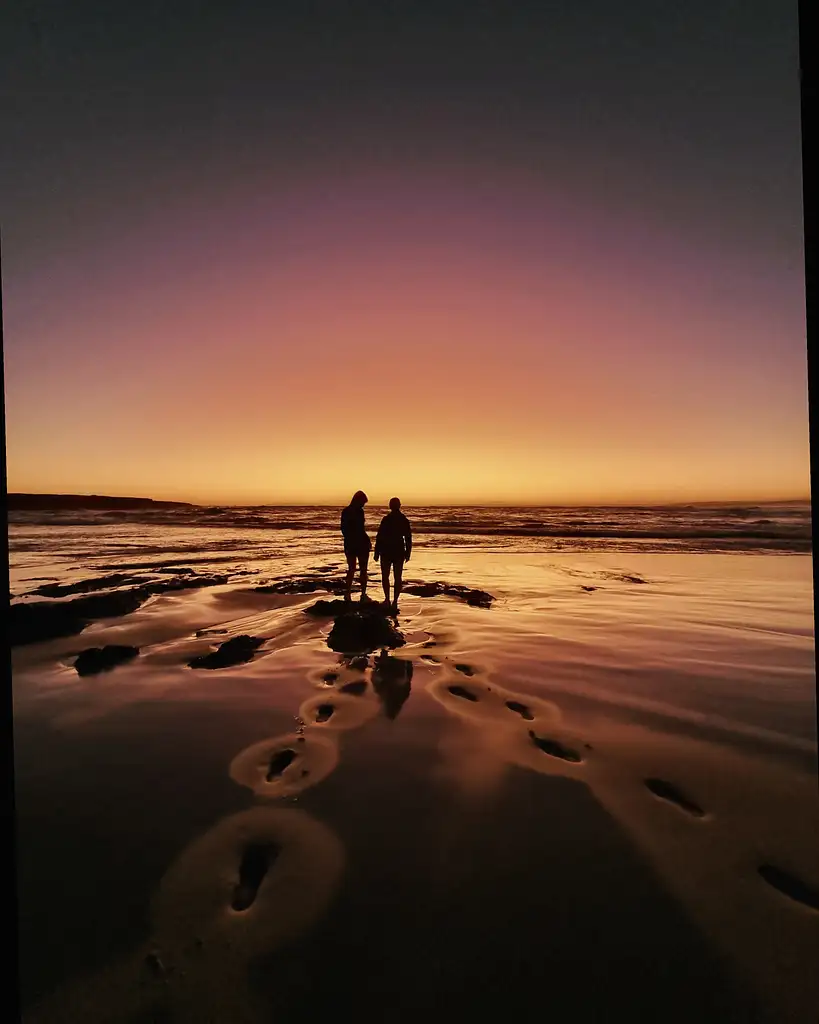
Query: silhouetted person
[393,545]
[391,681]
[356,542]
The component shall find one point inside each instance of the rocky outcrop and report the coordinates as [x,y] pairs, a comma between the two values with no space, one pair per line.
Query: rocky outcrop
[302,585]
[359,627]
[235,651]
[361,633]
[116,579]
[102,659]
[477,598]
[37,621]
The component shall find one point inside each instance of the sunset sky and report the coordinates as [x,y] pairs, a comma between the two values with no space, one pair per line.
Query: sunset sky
[460,252]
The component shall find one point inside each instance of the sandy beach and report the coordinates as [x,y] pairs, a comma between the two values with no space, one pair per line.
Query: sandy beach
[595,797]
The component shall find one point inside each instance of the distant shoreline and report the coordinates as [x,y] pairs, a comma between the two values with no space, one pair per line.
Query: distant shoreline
[19,501]
[24,502]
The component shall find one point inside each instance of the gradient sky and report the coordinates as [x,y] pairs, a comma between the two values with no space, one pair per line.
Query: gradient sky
[459,252]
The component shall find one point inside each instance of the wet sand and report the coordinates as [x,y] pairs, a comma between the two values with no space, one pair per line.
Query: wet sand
[585,802]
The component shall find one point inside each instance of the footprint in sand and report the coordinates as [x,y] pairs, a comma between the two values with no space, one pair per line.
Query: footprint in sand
[256,861]
[520,709]
[668,791]
[284,766]
[467,670]
[502,712]
[554,748]
[463,693]
[339,711]
[789,885]
[254,882]
[482,702]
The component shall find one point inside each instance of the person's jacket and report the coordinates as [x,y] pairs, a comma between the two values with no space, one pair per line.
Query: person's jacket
[394,537]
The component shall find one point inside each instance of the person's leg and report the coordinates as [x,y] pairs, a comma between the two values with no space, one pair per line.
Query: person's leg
[348,584]
[385,578]
[363,560]
[399,578]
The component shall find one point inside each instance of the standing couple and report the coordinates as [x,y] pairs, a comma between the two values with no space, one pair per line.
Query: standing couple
[393,544]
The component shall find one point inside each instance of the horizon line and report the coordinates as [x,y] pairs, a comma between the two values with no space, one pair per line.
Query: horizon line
[634,503]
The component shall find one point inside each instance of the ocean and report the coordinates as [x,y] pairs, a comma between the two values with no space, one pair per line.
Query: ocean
[252,535]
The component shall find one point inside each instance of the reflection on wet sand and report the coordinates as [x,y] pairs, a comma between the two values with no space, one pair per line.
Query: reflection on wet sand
[392,678]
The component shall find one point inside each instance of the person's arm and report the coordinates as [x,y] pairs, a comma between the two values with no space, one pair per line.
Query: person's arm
[377,552]
[407,540]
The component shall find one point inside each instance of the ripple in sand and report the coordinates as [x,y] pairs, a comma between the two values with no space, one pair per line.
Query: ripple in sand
[284,766]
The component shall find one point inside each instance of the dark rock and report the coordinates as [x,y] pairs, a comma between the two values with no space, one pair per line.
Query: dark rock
[302,585]
[235,651]
[328,609]
[84,586]
[360,631]
[476,598]
[45,620]
[101,659]
[588,589]
[186,583]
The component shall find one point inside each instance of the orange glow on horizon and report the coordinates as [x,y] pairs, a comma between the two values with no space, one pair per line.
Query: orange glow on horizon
[446,351]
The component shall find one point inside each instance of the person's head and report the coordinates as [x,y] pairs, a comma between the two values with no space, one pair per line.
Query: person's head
[395,504]
[359,499]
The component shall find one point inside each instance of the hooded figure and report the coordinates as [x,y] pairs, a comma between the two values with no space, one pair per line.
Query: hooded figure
[393,546]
